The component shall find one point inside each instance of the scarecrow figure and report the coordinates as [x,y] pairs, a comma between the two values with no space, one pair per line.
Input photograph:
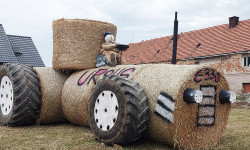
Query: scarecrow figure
[110,52]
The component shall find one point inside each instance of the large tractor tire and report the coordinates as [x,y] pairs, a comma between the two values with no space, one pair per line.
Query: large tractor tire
[118,110]
[19,95]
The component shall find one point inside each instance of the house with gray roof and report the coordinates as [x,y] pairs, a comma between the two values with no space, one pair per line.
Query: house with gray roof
[18,49]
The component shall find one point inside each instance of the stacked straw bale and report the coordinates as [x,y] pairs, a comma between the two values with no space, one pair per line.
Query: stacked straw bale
[182,131]
[77,42]
[51,82]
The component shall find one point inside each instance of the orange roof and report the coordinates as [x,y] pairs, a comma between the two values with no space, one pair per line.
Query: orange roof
[215,40]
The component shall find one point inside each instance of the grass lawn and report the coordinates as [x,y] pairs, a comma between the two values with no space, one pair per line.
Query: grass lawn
[68,136]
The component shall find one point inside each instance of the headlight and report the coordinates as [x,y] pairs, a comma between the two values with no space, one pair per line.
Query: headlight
[192,96]
[227,97]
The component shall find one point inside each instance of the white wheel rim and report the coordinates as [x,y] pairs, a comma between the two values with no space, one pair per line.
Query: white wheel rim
[106,110]
[6,95]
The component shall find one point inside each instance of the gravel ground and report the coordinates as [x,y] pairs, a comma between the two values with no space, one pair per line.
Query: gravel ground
[242,104]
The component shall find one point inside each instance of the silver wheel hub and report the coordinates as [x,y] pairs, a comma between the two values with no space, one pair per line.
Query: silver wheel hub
[106,110]
[6,95]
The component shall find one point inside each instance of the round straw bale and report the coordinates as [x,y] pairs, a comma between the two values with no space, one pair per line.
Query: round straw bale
[77,42]
[51,82]
[75,99]
[183,125]
[79,86]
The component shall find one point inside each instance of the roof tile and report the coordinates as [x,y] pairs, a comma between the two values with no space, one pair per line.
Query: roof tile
[214,41]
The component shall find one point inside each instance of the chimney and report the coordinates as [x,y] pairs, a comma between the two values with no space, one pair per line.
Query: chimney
[233,21]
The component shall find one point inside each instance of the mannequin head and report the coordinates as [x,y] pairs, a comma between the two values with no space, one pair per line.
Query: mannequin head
[109,38]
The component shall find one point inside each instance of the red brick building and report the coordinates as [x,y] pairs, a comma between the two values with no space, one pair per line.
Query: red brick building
[226,47]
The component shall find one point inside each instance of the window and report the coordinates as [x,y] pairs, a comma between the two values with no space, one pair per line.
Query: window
[198,45]
[246,87]
[17,51]
[197,63]
[246,61]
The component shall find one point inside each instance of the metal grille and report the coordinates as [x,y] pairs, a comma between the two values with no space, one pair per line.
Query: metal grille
[206,109]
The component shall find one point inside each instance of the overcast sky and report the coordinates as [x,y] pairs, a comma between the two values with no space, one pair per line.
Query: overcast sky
[135,20]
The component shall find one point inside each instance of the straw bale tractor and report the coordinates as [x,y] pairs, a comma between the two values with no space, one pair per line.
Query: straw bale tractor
[185,106]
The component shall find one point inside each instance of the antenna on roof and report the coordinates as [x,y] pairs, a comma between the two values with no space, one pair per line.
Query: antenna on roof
[132,38]
[154,55]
